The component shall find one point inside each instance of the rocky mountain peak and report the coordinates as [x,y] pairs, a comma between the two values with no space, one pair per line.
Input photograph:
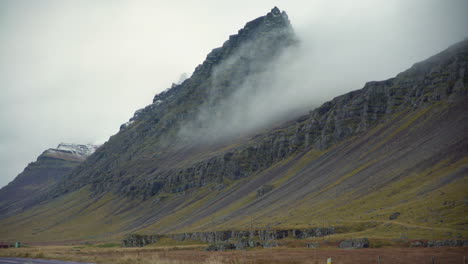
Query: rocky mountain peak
[248,52]
[274,26]
[275,11]
[259,40]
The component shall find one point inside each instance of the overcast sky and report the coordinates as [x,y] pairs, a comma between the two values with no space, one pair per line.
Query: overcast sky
[73,71]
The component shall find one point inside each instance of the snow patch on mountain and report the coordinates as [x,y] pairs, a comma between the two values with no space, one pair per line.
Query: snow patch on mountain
[86,150]
[72,151]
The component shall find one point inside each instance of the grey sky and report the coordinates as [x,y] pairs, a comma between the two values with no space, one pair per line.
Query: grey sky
[73,71]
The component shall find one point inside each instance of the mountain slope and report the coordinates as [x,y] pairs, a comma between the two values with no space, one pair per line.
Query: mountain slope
[49,168]
[398,145]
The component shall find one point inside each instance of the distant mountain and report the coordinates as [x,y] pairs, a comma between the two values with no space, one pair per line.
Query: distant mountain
[393,148]
[51,166]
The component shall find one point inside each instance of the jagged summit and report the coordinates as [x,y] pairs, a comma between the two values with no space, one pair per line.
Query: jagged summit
[275,11]
[274,26]
[248,52]
[267,33]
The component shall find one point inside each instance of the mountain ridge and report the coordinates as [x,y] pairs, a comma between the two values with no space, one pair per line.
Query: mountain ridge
[380,101]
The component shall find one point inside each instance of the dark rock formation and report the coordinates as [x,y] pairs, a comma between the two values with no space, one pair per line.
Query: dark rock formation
[263,190]
[136,240]
[418,243]
[239,239]
[313,232]
[447,243]
[207,237]
[220,247]
[355,243]
[394,216]
[313,245]
[244,243]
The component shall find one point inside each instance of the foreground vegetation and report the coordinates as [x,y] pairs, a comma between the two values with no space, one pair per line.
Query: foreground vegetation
[188,254]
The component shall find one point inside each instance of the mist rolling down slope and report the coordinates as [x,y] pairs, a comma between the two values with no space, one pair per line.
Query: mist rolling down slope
[213,154]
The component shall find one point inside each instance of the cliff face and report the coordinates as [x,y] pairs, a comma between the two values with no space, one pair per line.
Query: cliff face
[39,176]
[440,78]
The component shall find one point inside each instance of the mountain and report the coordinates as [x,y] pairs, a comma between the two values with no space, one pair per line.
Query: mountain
[49,168]
[152,149]
[395,148]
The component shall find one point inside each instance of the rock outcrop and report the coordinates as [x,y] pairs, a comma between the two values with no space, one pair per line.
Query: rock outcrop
[447,243]
[221,240]
[220,247]
[355,243]
[313,245]
[418,243]
[136,240]
[394,216]
[206,237]
[263,190]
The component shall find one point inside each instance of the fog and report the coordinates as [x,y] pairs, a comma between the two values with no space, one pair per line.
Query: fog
[73,71]
[330,59]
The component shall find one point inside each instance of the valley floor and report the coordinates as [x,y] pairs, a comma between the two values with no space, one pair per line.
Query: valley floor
[107,254]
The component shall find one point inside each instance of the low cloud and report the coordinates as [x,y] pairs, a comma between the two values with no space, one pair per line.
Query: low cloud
[332,58]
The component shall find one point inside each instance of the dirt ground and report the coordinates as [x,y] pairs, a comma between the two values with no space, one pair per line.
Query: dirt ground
[339,256]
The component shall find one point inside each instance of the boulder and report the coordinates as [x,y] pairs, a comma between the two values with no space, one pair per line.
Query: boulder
[418,243]
[394,216]
[313,245]
[220,247]
[263,190]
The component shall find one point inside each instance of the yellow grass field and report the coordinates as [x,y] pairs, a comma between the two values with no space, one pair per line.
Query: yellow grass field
[188,254]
